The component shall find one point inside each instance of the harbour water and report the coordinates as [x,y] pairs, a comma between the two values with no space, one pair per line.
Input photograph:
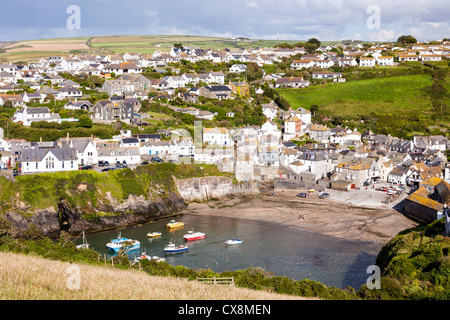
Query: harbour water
[284,251]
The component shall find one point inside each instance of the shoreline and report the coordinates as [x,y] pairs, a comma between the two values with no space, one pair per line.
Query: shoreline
[372,224]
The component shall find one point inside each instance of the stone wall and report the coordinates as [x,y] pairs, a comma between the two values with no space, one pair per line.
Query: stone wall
[214,187]
[296,185]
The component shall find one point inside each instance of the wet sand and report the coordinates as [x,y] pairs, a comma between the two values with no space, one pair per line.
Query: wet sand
[374,224]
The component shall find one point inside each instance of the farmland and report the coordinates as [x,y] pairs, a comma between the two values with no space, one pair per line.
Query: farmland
[33,50]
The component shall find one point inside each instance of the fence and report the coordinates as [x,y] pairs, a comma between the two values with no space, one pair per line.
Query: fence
[220,281]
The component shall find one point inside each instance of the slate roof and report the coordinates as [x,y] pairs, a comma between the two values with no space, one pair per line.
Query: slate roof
[36,155]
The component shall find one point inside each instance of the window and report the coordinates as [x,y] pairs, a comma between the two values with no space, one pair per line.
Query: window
[71,164]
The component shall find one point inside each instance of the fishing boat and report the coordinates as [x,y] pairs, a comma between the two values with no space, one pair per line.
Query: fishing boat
[172,248]
[144,256]
[233,241]
[174,224]
[85,244]
[123,243]
[191,235]
[153,234]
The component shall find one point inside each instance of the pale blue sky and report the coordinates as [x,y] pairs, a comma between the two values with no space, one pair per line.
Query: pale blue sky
[263,19]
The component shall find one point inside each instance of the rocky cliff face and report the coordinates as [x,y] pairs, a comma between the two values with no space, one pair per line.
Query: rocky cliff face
[108,212]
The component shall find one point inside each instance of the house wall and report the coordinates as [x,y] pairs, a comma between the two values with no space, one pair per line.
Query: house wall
[420,212]
[56,165]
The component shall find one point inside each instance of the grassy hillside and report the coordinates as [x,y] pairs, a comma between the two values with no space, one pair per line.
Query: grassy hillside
[25,277]
[403,94]
[414,265]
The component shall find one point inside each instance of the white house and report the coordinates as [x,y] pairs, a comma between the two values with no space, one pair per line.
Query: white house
[302,64]
[270,110]
[28,115]
[367,62]
[217,136]
[385,61]
[158,148]
[347,62]
[270,128]
[114,154]
[238,68]
[86,149]
[49,160]
[324,64]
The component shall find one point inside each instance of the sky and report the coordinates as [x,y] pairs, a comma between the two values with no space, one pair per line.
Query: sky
[368,20]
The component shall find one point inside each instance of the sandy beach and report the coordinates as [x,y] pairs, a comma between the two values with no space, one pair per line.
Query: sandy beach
[335,216]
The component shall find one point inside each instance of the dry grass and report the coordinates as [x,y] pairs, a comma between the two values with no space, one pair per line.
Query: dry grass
[29,278]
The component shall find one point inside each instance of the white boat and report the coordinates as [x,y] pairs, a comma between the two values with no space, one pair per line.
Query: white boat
[144,256]
[172,248]
[123,243]
[191,235]
[85,244]
[233,241]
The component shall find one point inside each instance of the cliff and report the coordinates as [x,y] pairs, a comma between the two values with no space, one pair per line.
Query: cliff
[88,200]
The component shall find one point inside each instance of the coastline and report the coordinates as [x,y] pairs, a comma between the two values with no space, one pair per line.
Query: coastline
[373,224]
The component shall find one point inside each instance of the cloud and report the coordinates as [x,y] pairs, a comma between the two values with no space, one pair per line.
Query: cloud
[266,19]
[383,35]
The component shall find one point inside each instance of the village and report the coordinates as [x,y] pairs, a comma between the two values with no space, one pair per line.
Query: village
[288,145]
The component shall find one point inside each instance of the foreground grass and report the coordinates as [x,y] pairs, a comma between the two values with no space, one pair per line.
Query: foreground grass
[25,277]
[392,95]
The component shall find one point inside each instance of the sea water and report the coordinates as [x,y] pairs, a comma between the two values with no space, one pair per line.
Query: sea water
[284,251]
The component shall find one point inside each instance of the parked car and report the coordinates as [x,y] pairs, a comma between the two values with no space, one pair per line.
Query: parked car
[87,167]
[108,169]
[101,163]
[144,162]
[303,195]
[323,195]
[157,159]
[106,163]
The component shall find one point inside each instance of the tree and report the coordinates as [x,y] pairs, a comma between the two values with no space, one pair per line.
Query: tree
[85,121]
[406,40]
[314,41]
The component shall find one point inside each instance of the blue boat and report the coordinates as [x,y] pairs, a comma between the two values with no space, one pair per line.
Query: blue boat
[171,248]
[122,243]
[233,241]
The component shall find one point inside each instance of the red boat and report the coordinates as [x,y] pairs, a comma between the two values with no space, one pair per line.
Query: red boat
[191,235]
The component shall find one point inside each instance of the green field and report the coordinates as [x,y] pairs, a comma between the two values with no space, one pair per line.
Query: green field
[393,95]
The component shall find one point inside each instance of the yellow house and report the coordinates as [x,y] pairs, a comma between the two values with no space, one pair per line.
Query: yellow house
[240,88]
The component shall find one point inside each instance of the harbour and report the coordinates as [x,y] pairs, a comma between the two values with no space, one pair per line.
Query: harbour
[281,250]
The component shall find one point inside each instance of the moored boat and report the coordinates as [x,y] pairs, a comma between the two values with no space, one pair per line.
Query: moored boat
[172,248]
[153,234]
[85,244]
[174,224]
[233,241]
[123,243]
[144,256]
[191,235]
